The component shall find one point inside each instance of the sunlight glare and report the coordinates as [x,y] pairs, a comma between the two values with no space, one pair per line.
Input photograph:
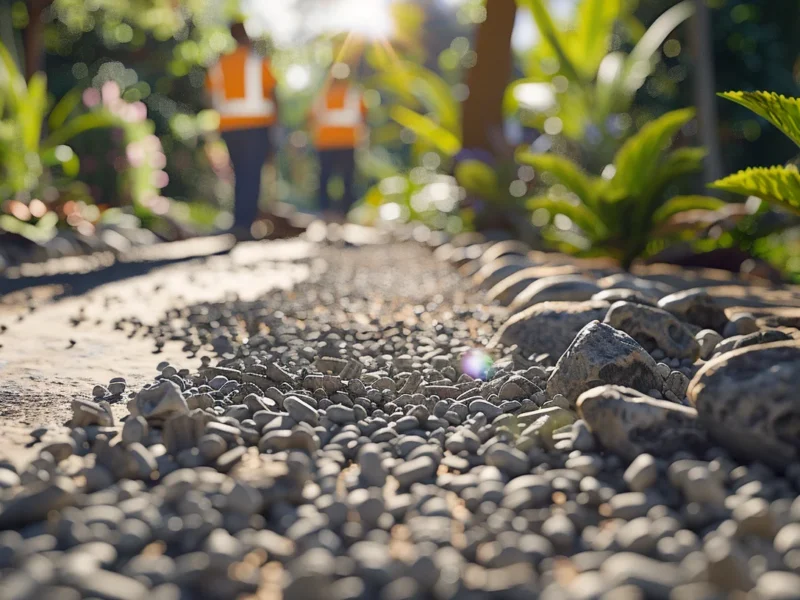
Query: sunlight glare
[371,19]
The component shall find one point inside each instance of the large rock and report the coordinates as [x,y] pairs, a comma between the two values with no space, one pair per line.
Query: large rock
[638,284]
[548,327]
[653,328]
[697,307]
[601,355]
[508,288]
[494,272]
[573,288]
[748,400]
[630,423]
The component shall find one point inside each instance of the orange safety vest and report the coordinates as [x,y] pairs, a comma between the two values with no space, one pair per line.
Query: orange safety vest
[242,90]
[338,118]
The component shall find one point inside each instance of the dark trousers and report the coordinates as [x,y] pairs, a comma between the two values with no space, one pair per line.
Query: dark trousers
[249,150]
[342,162]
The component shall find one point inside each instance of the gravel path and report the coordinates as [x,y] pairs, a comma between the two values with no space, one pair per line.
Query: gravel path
[378,431]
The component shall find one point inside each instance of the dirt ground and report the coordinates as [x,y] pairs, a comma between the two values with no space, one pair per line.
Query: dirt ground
[47,357]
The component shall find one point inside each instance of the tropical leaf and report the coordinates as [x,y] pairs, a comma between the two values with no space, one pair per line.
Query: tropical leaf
[579,213]
[679,204]
[780,185]
[567,172]
[64,157]
[427,128]
[592,39]
[63,109]
[78,125]
[31,113]
[779,110]
[639,65]
[551,35]
[638,161]
[12,80]
[681,161]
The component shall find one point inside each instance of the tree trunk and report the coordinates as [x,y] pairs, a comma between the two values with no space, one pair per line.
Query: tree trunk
[702,47]
[482,114]
[33,37]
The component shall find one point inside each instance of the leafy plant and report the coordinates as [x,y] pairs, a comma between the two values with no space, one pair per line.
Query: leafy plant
[779,184]
[34,166]
[575,76]
[619,213]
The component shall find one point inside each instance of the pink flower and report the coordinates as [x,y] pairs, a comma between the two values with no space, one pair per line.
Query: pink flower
[91,97]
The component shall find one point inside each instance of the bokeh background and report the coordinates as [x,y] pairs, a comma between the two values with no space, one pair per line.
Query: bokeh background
[114,143]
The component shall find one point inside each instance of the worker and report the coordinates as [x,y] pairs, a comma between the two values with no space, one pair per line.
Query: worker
[338,123]
[242,89]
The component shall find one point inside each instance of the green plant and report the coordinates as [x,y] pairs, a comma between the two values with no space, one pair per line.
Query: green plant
[41,167]
[619,213]
[575,79]
[779,185]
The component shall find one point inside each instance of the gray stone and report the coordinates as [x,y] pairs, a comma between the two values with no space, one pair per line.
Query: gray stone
[212,446]
[86,413]
[36,502]
[629,423]
[654,578]
[653,328]
[778,585]
[696,306]
[135,430]
[642,473]
[300,411]
[602,355]
[740,324]
[708,340]
[748,400]
[509,460]
[759,338]
[411,471]
[182,432]
[159,402]
[549,327]
[563,288]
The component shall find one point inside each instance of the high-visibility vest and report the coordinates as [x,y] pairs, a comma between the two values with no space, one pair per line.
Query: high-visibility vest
[339,124]
[257,106]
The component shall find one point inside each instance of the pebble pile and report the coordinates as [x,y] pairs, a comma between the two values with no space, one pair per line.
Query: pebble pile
[381,432]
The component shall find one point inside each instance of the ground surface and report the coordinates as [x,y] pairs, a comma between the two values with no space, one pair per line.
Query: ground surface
[41,371]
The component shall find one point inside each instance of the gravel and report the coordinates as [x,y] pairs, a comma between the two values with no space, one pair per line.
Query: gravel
[354,438]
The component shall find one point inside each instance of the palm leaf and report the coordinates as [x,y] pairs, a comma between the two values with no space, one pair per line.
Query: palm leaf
[679,204]
[78,125]
[63,109]
[580,214]
[595,26]
[32,112]
[638,160]
[779,110]
[551,35]
[567,172]
[428,129]
[780,185]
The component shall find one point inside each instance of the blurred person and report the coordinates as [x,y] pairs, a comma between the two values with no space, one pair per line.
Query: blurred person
[338,125]
[242,89]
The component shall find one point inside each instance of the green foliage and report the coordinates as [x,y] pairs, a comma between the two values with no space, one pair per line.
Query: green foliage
[617,214]
[31,164]
[781,184]
[594,81]
[779,110]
